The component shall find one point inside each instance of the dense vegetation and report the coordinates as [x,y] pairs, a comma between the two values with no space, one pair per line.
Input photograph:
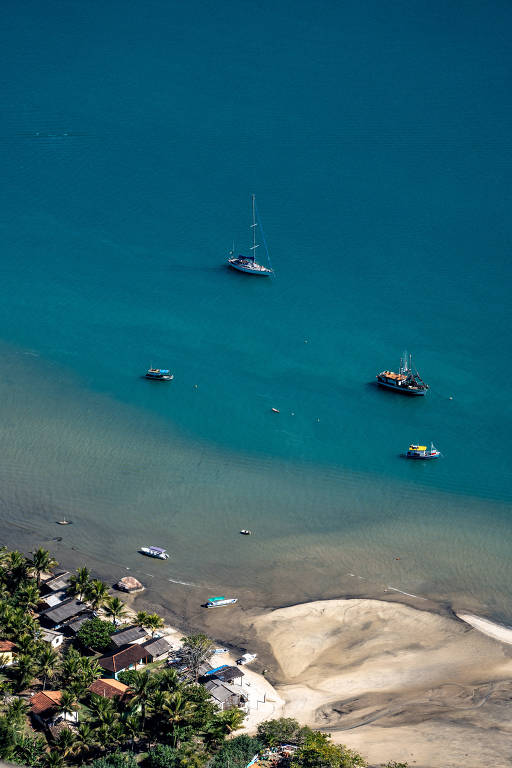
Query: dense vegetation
[166,721]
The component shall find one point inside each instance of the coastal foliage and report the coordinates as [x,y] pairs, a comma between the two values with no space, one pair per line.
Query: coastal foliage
[95,634]
[318,751]
[115,760]
[197,649]
[282,730]
[237,752]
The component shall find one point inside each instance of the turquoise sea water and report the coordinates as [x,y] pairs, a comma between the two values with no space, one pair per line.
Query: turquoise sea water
[377,139]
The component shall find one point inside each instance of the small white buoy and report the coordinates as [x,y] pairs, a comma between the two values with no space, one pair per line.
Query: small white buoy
[318,421]
[305,341]
[293,413]
[450,398]
[195,386]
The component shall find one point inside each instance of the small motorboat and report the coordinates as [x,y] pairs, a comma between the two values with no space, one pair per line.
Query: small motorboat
[159,374]
[245,532]
[64,522]
[218,602]
[422,452]
[276,410]
[158,552]
[246,658]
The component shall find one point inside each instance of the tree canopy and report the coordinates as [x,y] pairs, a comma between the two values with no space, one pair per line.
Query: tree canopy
[96,634]
[318,751]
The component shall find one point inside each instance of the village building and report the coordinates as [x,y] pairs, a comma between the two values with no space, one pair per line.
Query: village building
[131,657]
[53,637]
[54,598]
[157,649]
[74,626]
[129,636]
[109,688]
[7,653]
[55,617]
[56,583]
[45,709]
[227,674]
[224,695]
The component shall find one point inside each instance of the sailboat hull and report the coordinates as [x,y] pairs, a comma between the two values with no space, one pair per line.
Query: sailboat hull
[257,269]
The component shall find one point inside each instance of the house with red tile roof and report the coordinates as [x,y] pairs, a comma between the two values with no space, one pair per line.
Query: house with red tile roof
[131,657]
[109,688]
[45,709]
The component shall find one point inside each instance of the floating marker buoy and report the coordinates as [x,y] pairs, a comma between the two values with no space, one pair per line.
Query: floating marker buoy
[292,413]
[195,386]
[450,398]
[305,341]
[318,421]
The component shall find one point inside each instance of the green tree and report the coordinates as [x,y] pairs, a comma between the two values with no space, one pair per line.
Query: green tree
[27,596]
[95,634]
[163,756]
[115,760]
[178,713]
[30,751]
[47,664]
[85,741]
[53,760]
[318,751]
[16,713]
[196,650]
[140,619]
[65,742]
[25,671]
[237,752]
[283,730]
[142,687]
[68,703]
[79,583]
[41,562]
[7,739]
[116,609]
[154,622]
[97,594]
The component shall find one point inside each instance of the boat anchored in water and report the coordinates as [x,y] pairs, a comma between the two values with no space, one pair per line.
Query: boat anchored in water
[159,374]
[407,380]
[245,532]
[248,263]
[422,452]
[157,552]
[218,602]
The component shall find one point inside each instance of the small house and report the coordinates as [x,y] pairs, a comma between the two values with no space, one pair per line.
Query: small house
[157,649]
[223,694]
[58,582]
[54,598]
[73,627]
[53,637]
[227,674]
[55,617]
[109,688]
[7,653]
[45,709]
[131,657]
[129,636]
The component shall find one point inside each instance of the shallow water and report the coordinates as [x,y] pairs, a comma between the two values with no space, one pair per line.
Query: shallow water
[378,145]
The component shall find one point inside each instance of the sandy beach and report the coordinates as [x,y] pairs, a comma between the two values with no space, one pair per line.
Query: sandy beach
[392,681]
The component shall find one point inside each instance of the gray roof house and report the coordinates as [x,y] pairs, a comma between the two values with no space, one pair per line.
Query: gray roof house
[223,694]
[68,610]
[74,626]
[228,675]
[130,636]
[58,582]
[157,649]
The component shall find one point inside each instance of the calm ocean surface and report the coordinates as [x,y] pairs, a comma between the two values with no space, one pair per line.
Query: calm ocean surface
[376,137]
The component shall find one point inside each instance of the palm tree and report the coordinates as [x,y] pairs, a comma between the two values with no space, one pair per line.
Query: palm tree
[169,680]
[101,707]
[27,596]
[17,569]
[85,741]
[179,713]
[47,664]
[42,562]
[72,664]
[231,719]
[68,703]
[154,622]
[25,671]
[79,582]
[90,670]
[132,727]
[140,619]
[65,742]
[142,687]
[53,760]
[97,594]
[16,713]
[116,609]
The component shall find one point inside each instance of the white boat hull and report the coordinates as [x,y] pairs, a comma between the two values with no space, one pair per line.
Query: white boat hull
[250,270]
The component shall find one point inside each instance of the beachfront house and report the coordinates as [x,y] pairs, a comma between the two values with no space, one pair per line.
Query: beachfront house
[56,617]
[227,674]
[56,583]
[54,598]
[73,627]
[130,636]
[157,649]
[45,709]
[53,637]
[131,657]
[109,688]
[223,694]
[7,653]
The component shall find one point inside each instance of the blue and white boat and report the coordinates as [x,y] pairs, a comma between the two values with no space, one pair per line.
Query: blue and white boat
[158,552]
[159,374]
[217,602]
[421,452]
[248,263]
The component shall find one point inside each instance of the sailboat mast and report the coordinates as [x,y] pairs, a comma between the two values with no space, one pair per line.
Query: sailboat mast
[254,226]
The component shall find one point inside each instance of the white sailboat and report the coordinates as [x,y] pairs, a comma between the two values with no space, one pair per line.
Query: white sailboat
[248,263]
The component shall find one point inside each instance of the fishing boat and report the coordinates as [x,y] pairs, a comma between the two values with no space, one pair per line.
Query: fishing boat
[407,380]
[245,532]
[248,263]
[422,452]
[217,602]
[157,552]
[159,374]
